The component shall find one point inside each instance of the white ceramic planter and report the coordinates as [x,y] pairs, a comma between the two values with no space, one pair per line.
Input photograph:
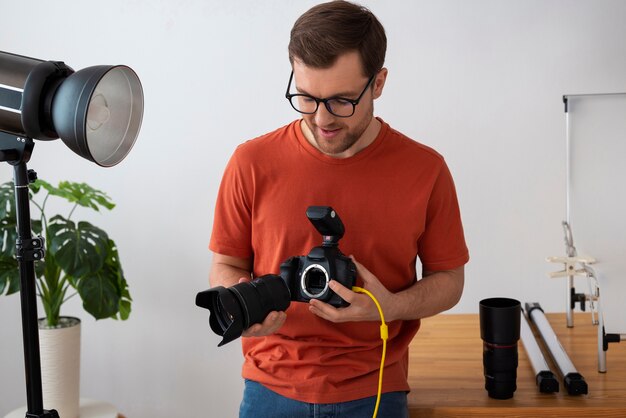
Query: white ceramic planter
[60,366]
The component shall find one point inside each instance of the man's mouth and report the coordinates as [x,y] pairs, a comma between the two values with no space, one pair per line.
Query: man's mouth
[329,133]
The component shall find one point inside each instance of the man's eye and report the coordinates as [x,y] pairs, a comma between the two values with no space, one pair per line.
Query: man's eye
[340,102]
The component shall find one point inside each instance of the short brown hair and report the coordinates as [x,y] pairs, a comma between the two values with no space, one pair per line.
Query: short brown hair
[328,30]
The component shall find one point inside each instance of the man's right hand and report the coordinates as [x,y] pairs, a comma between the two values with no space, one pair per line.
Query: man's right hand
[272,322]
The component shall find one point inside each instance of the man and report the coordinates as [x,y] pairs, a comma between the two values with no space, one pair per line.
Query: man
[397,201]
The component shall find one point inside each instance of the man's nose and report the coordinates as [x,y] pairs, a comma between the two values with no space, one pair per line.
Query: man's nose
[323,117]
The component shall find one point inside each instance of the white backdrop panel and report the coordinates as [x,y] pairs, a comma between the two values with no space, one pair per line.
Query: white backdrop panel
[598,196]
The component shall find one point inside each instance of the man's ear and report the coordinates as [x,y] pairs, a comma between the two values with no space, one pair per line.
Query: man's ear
[379,83]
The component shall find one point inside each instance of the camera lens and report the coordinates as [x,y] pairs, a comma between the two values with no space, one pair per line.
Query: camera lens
[500,366]
[500,331]
[314,281]
[235,309]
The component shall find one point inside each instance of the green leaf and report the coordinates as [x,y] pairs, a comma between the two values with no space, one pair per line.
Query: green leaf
[8,226]
[115,267]
[36,227]
[36,186]
[8,221]
[105,294]
[79,250]
[7,199]
[80,193]
[99,294]
[9,275]
[124,310]
[8,235]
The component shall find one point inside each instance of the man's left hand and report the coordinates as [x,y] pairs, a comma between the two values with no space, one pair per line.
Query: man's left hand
[361,308]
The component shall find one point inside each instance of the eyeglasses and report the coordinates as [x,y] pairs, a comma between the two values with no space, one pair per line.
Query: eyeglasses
[338,106]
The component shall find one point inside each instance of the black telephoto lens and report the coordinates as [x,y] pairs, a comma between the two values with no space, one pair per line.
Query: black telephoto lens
[235,309]
[500,331]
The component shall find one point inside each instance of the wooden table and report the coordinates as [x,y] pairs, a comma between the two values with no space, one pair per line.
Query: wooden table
[446,373]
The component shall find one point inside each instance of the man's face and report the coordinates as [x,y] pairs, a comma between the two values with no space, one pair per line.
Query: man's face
[336,136]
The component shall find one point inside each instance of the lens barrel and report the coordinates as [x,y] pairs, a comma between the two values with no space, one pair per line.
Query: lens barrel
[500,369]
[500,331]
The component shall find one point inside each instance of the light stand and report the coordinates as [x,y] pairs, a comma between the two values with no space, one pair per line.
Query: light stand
[603,338]
[28,250]
[575,265]
[97,113]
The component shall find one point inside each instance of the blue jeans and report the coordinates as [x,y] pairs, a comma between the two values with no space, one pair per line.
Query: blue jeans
[260,402]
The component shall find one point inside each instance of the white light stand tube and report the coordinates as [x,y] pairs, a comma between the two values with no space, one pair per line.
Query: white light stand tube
[546,380]
[573,381]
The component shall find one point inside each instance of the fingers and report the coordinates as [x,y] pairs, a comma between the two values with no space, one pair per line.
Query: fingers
[329,312]
[345,293]
[325,311]
[362,271]
[270,325]
[361,307]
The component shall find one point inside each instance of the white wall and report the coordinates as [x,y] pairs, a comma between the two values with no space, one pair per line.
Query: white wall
[480,81]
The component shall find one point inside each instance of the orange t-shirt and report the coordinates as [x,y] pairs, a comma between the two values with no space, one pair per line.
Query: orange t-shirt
[397,201]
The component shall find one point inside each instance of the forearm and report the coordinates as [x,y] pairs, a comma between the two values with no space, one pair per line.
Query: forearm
[226,271]
[434,293]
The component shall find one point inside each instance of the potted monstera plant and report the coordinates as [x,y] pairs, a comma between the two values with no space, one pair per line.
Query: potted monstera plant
[80,259]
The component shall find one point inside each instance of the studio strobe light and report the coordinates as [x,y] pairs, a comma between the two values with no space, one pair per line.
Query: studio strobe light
[96,111]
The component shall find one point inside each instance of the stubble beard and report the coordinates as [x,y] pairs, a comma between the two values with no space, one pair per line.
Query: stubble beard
[347,138]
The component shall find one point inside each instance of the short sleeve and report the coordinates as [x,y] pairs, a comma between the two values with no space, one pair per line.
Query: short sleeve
[232,221]
[442,245]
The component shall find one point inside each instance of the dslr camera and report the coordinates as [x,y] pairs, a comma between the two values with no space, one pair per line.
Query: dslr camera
[234,309]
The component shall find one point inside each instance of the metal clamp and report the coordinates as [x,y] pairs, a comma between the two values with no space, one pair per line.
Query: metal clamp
[570,265]
[31,249]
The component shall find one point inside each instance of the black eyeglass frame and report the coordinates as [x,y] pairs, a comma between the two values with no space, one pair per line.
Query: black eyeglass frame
[317,100]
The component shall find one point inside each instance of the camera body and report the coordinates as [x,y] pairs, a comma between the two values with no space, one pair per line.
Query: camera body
[302,278]
[308,277]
